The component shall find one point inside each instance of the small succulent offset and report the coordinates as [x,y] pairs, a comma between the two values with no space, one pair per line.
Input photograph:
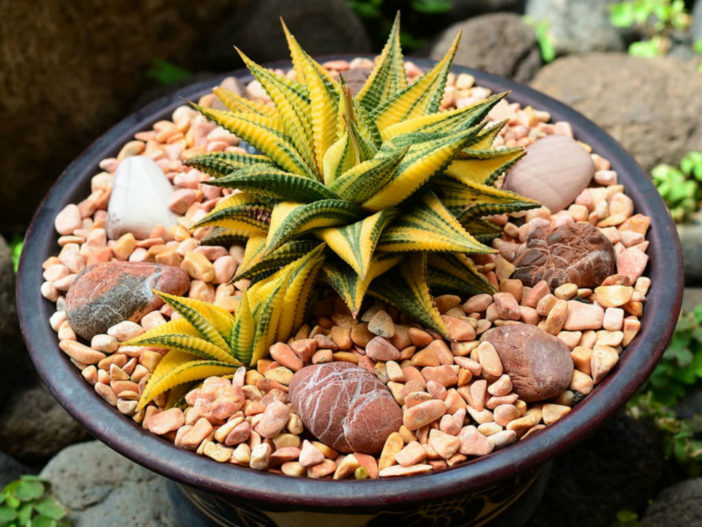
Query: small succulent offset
[380,192]
[680,186]
[25,502]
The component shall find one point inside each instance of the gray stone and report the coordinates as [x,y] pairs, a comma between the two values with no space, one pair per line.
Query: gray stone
[691,242]
[139,200]
[321,26]
[578,27]
[100,487]
[617,467]
[11,469]
[34,426]
[651,106]
[679,504]
[696,28]
[499,43]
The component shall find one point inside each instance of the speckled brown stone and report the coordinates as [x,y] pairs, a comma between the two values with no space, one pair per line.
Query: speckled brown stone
[345,406]
[572,253]
[110,292]
[538,364]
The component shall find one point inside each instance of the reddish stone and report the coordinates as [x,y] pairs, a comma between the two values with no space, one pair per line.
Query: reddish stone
[572,253]
[538,364]
[345,406]
[107,293]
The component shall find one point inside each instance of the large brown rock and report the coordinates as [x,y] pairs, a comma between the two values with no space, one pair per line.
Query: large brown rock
[651,106]
[499,43]
[538,364]
[345,406]
[110,292]
[575,253]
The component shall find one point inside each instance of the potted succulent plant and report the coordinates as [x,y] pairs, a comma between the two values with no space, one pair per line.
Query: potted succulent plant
[230,325]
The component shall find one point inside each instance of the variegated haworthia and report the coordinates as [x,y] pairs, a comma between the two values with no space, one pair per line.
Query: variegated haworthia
[353,186]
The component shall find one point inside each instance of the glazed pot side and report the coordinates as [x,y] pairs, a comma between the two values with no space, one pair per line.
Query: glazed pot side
[128,438]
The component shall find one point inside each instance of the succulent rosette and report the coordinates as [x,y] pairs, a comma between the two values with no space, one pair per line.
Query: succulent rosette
[379,193]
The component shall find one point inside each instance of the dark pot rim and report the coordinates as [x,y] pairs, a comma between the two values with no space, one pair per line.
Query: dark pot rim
[159,455]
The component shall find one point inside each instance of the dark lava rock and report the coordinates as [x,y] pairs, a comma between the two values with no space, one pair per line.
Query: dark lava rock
[107,293]
[322,27]
[538,364]
[11,469]
[345,406]
[572,253]
[633,99]
[579,27]
[679,504]
[616,468]
[35,426]
[499,43]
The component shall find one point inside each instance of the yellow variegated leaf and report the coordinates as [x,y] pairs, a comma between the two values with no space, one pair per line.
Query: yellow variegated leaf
[292,219]
[178,368]
[292,103]
[445,122]
[485,139]
[238,104]
[484,168]
[195,346]
[241,214]
[195,312]
[179,326]
[304,270]
[338,158]
[388,76]
[421,162]
[267,316]
[476,199]
[361,181]
[262,264]
[270,141]
[429,226]
[424,96]
[349,285]
[241,338]
[355,243]
[406,288]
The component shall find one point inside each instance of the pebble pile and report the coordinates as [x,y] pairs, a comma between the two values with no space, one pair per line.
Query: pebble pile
[395,399]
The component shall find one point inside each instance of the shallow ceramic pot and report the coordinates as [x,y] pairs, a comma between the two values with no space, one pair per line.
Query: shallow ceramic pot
[503,487]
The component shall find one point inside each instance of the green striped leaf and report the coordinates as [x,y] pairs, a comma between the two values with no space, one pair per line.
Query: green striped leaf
[407,289]
[267,314]
[429,226]
[219,164]
[339,158]
[388,75]
[178,367]
[240,211]
[254,130]
[362,181]
[224,237]
[422,97]
[349,285]
[421,162]
[482,230]
[188,344]
[290,219]
[241,337]
[456,273]
[292,101]
[475,199]
[271,182]
[283,255]
[483,166]
[355,243]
